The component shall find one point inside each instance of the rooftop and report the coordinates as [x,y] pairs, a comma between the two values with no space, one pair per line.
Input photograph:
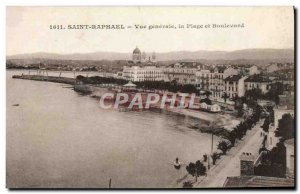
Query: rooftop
[136,51]
[186,64]
[220,69]
[233,78]
[130,84]
[258,181]
[257,78]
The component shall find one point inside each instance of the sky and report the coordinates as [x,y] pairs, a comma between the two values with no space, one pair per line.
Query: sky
[28,29]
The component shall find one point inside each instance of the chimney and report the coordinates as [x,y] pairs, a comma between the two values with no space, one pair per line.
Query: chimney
[247,164]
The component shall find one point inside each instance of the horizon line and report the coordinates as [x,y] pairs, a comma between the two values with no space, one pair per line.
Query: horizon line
[208,50]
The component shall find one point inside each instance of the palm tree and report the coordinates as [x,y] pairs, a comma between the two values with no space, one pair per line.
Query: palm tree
[213,128]
[214,157]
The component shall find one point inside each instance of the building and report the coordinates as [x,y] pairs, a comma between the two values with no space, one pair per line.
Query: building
[129,86]
[118,75]
[257,182]
[136,56]
[202,79]
[206,105]
[290,157]
[143,73]
[248,178]
[216,80]
[252,70]
[285,106]
[257,81]
[140,69]
[181,72]
[153,57]
[272,67]
[141,57]
[286,77]
[234,86]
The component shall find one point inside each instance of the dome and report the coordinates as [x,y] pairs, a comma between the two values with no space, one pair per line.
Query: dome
[136,51]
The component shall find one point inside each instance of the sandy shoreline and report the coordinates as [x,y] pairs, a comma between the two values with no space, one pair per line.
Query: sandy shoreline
[226,121]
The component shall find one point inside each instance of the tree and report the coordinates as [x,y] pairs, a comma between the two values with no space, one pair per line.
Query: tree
[207,93]
[239,105]
[253,94]
[225,97]
[276,90]
[286,127]
[273,163]
[230,136]
[214,157]
[240,130]
[266,124]
[223,146]
[196,169]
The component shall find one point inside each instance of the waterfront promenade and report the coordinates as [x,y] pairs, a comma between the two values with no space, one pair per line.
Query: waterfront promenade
[229,165]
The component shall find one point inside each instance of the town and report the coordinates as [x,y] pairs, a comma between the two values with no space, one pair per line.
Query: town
[259,99]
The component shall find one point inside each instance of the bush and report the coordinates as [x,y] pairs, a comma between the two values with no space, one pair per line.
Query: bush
[187,184]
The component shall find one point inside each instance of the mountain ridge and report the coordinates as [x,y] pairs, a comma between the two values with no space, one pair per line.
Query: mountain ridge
[243,54]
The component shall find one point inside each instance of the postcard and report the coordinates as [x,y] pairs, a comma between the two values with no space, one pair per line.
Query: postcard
[150,97]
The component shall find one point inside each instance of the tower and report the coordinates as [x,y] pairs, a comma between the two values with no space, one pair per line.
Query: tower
[136,55]
[153,57]
[144,56]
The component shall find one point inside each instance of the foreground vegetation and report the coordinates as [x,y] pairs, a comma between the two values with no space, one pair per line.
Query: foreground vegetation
[146,85]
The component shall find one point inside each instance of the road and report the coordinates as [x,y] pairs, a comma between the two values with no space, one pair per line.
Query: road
[229,165]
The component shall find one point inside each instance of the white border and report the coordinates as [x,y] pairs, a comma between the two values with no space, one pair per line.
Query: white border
[5,3]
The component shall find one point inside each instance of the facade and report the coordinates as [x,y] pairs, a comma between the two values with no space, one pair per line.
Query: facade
[214,108]
[272,67]
[278,113]
[290,157]
[143,73]
[279,66]
[182,73]
[285,106]
[202,79]
[247,161]
[216,80]
[257,81]
[141,57]
[234,86]
[252,70]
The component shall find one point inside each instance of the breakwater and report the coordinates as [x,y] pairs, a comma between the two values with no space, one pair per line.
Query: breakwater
[94,91]
[64,80]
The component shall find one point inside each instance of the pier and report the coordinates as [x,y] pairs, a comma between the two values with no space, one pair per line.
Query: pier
[64,80]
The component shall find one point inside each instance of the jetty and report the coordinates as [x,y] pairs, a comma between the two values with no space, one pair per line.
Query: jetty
[64,80]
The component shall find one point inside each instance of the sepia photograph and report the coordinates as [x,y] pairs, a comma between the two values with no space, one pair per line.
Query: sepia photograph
[136,97]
